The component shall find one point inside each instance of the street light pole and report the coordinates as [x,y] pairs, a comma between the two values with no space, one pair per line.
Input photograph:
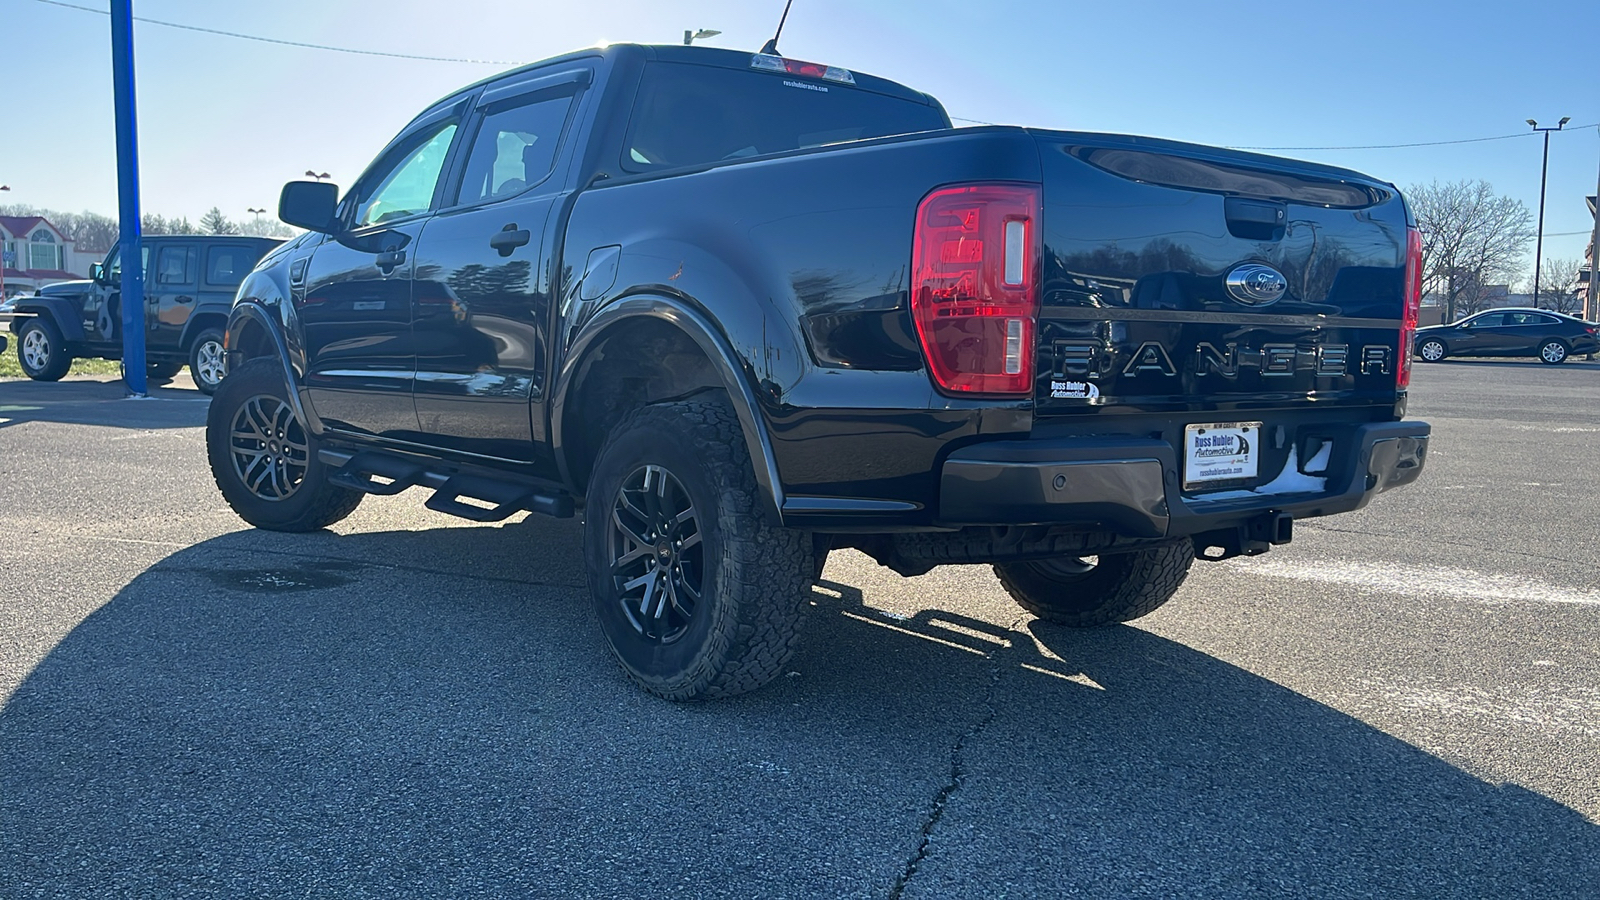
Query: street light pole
[1544,172]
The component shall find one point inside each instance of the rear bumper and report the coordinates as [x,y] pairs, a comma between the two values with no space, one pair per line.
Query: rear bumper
[1131,487]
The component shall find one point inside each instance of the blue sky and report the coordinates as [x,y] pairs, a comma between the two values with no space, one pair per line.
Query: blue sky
[225,122]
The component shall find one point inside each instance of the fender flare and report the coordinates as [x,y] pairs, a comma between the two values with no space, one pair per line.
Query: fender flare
[60,310]
[198,322]
[250,312]
[716,348]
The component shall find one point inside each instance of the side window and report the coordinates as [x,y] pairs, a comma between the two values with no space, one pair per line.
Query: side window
[227,266]
[114,262]
[1491,320]
[1536,319]
[406,188]
[514,149]
[175,265]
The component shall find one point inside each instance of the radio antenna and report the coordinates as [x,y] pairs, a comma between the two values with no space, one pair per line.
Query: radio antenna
[771,47]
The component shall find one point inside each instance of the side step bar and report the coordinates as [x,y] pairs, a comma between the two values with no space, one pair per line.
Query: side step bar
[479,497]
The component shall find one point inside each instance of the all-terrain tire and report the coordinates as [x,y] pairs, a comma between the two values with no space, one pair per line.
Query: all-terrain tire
[751,578]
[1115,588]
[258,449]
[41,351]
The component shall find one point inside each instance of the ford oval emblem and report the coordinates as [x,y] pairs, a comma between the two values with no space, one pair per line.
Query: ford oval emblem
[1256,285]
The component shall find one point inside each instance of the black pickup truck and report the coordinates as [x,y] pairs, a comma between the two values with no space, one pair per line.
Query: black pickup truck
[190,280]
[741,310]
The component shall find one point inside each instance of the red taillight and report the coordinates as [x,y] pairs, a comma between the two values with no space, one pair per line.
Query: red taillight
[974,286]
[1413,301]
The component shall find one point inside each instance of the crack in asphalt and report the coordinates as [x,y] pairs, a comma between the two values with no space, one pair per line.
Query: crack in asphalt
[958,772]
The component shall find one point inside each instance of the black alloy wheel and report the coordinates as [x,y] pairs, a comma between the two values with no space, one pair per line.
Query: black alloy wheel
[656,553]
[268,447]
[264,460]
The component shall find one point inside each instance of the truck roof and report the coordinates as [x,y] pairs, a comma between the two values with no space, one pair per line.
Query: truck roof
[706,56]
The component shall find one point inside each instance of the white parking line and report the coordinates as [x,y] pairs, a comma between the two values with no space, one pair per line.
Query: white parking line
[1431,581]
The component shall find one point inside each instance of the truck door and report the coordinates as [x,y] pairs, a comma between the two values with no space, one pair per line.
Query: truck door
[481,307]
[171,297]
[356,313]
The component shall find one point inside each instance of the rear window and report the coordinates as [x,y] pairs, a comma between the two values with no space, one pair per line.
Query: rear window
[690,114]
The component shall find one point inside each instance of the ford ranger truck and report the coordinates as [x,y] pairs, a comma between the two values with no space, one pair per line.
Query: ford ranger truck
[738,310]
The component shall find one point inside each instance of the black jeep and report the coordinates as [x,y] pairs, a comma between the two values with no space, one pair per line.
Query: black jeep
[190,281]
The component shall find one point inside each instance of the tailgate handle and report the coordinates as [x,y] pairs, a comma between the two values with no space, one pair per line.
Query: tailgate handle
[1255,220]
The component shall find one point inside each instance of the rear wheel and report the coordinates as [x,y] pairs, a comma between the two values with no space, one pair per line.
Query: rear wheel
[698,597]
[208,362]
[263,459]
[1431,350]
[163,371]
[1553,352]
[41,351]
[1098,590]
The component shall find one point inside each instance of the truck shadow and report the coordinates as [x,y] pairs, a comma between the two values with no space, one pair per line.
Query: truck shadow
[432,713]
[101,402]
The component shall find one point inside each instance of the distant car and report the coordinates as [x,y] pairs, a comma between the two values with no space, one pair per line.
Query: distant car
[1550,336]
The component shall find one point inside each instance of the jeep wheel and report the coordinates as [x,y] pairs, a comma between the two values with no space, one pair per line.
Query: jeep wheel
[1431,350]
[1553,352]
[41,351]
[264,461]
[1104,590]
[208,362]
[698,597]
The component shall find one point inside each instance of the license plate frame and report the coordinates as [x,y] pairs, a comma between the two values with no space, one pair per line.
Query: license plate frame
[1233,461]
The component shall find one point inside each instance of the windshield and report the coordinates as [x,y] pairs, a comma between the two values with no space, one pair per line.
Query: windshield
[689,114]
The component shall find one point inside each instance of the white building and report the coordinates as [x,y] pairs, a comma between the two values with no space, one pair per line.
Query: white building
[36,253]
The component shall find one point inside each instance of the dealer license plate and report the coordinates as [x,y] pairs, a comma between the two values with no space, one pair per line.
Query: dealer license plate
[1226,451]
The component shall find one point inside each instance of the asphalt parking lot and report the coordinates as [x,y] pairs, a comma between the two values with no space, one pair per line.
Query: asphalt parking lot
[1404,702]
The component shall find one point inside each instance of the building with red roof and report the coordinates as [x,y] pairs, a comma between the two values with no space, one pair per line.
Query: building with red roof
[36,253]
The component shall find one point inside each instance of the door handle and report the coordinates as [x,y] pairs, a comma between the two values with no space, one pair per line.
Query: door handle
[183,300]
[509,239]
[389,259]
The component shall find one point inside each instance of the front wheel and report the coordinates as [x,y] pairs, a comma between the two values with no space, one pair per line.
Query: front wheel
[263,459]
[208,362]
[697,596]
[1553,352]
[1083,592]
[42,352]
[1431,350]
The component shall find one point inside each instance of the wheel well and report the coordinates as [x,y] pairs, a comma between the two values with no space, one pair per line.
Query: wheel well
[253,341]
[635,364]
[201,323]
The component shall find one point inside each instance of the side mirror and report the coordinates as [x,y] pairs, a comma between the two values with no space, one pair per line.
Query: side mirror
[97,273]
[311,205]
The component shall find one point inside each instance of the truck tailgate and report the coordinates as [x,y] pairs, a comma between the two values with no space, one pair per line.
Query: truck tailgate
[1179,277]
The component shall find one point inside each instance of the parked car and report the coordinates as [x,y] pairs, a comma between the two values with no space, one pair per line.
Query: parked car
[743,310]
[190,280]
[1550,336]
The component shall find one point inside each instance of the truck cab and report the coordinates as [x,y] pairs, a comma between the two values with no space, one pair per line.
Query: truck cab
[190,282]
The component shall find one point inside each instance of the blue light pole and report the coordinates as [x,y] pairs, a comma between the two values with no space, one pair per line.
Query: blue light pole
[133,364]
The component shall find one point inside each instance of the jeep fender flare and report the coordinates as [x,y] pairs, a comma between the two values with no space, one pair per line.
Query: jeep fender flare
[65,312]
[716,348]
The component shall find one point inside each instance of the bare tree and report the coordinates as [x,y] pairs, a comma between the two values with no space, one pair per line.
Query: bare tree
[1558,286]
[91,231]
[1471,237]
